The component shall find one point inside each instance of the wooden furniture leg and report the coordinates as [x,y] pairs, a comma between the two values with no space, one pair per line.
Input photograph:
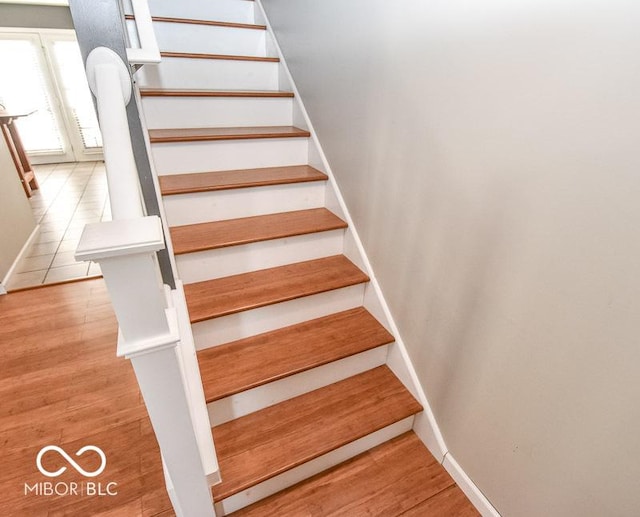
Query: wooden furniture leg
[19,156]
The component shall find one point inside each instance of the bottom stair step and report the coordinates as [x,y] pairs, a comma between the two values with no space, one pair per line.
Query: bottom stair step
[261,445]
[399,477]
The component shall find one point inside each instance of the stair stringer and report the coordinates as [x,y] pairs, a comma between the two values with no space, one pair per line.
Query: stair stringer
[398,360]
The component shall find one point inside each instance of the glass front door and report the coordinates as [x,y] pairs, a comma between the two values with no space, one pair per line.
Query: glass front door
[43,73]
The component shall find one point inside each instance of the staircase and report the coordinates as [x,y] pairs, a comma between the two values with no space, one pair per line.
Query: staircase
[307,413]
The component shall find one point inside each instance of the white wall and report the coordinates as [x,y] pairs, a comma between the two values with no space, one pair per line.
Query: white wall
[16,217]
[489,152]
[35,16]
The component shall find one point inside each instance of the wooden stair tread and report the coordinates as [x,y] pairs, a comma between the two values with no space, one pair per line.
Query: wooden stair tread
[244,364]
[174,92]
[232,232]
[192,21]
[232,294]
[199,134]
[211,181]
[451,501]
[273,440]
[227,57]
[398,477]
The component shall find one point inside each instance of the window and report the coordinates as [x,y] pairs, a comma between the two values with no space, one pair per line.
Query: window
[23,88]
[45,74]
[77,97]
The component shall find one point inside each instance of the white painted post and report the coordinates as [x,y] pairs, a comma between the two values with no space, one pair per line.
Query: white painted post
[160,379]
[149,337]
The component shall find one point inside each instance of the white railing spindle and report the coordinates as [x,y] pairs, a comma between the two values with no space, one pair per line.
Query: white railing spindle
[148,53]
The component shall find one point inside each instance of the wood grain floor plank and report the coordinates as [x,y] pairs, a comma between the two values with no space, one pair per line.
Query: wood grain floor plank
[228,57]
[232,294]
[247,363]
[212,181]
[232,232]
[384,481]
[84,395]
[201,134]
[176,92]
[451,501]
[266,443]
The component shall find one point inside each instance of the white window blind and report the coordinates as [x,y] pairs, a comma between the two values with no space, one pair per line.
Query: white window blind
[23,88]
[76,92]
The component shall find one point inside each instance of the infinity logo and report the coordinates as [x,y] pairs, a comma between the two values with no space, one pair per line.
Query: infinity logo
[70,460]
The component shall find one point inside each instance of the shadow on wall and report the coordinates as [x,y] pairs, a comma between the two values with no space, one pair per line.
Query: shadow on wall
[445,260]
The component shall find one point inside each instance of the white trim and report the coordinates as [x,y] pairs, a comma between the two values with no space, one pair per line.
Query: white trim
[148,53]
[135,349]
[435,440]
[156,182]
[122,237]
[37,30]
[469,488]
[37,2]
[23,251]
[195,389]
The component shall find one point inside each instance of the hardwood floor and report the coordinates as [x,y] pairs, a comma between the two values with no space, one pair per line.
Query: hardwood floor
[241,365]
[233,232]
[237,293]
[63,385]
[197,55]
[224,180]
[271,441]
[396,479]
[202,134]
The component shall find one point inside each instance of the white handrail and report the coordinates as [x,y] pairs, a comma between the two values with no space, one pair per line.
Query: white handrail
[148,53]
[110,83]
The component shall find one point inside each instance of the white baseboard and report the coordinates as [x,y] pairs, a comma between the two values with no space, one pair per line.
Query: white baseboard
[23,251]
[469,488]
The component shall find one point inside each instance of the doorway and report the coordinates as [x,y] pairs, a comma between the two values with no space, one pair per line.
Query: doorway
[45,74]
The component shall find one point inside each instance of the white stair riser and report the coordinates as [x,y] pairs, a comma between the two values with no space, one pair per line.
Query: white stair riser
[181,112]
[234,260]
[311,468]
[249,401]
[229,328]
[204,39]
[227,155]
[231,204]
[209,74]
[239,11]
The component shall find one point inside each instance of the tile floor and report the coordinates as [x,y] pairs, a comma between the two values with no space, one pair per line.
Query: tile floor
[70,196]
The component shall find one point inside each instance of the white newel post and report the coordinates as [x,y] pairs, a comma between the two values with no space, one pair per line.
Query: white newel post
[149,331]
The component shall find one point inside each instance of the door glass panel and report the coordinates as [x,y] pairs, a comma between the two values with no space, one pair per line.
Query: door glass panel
[23,89]
[76,92]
